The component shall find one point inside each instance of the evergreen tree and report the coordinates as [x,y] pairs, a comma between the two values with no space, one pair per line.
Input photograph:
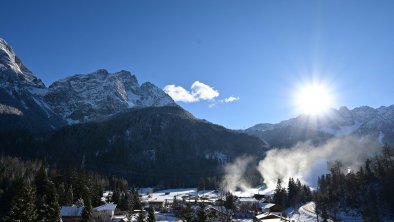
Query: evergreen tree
[23,206]
[47,203]
[116,197]
[175,206]
[41,180]
[291,192]
[229,202]
[151,215]
[141,217]
[187,213]
[125,202]
[136,202]
[69,196]
[87,212]
[62,194]
[280,194]
[201,215]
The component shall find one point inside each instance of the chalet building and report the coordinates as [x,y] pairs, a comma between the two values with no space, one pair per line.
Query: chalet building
[270,208]
[156,204]
[71,214]
[247,207]
[104,213]
[269,218]
[219,212]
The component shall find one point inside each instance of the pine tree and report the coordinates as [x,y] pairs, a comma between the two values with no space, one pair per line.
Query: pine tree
[87,212]
[23,207]
[141,217]
[47,203]
[62,194]
[175,206]
[125,202]
[229,202]
[70,196]
[116,197]
[280,194]
[151,215]
[135,201]
[201,215]
[187,213]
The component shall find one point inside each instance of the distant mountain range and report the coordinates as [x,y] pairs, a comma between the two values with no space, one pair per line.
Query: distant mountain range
[28,104]
[361,121]
[111,124]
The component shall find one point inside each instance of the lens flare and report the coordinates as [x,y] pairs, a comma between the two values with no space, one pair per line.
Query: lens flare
[313,99]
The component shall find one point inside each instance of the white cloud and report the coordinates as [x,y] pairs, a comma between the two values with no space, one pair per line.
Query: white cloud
[199,91]
[178,93]
[203,91]
[230,99]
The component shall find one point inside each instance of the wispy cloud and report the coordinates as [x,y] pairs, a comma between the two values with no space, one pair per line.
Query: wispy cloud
[198,91]
[230,99]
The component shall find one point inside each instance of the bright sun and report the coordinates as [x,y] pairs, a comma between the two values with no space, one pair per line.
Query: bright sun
[313,99]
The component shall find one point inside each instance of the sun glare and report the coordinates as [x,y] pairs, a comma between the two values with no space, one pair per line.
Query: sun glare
[313,99]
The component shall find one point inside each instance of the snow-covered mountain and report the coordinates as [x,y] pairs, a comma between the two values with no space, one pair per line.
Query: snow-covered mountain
[21,96]
[86,97]
[360,121]
[26,103]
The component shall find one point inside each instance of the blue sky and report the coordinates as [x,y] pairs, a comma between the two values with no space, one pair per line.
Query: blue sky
[257,51]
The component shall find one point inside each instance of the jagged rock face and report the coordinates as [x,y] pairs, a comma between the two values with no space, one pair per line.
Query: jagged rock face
[21,96]
[360,121]
[26,103]
[82,98]
[12,69]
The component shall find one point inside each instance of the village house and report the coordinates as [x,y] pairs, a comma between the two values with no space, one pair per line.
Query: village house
[104,213]
[71,213]
[219,212]
[266,217]
[270,208]
[247,207]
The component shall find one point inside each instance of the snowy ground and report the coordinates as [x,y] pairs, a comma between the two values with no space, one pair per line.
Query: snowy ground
[305,213]
[169,194]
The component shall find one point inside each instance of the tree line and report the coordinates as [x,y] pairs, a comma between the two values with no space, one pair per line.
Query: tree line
[33,191]
[370,190]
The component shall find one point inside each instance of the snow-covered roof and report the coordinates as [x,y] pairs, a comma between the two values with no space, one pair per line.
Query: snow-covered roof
[247,199]
[266,205]
[270,217]
[119,218]
[259,216]
[220,209]
[106,207]
[71,211]
[169,194]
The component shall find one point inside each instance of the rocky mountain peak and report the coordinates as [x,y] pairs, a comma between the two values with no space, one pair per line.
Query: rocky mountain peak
[85,97]
[76,99]
[12,69]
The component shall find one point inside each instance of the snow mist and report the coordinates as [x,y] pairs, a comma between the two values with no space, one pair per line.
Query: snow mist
[234,172]
[306,161]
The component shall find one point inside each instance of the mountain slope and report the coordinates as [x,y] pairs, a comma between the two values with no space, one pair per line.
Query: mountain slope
[360,121]
[27,104]
[86,97]
[21,96]
[151,146]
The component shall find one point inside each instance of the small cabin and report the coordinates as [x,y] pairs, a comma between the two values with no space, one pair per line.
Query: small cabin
[71,213]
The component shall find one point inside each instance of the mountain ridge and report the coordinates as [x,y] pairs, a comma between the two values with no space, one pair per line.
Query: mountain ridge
[359,121]
[26,103]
